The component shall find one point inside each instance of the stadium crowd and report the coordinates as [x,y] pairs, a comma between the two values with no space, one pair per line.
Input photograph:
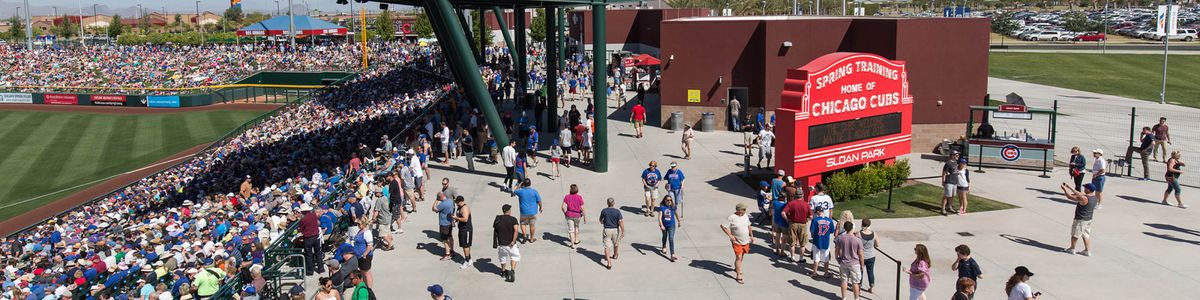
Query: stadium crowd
[185,232]
[140,69]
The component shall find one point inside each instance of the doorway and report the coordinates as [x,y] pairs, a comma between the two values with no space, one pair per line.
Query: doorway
[742,94]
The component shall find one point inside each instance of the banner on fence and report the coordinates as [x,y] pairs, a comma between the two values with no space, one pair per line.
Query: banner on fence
[162,101]
[23,98]
[108,100]
[61,99]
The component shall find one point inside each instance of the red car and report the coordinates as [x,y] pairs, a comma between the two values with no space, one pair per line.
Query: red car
[1090,37]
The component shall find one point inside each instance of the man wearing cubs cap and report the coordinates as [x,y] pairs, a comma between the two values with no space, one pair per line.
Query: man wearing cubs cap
[1098,176]
[1085,205]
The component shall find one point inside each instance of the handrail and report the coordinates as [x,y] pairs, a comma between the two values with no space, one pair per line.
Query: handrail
[898,266]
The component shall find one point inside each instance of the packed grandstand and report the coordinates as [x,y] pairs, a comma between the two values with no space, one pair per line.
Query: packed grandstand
[163,69]
[202,228]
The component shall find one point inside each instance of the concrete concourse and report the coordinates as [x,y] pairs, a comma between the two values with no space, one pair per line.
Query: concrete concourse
[1138,243]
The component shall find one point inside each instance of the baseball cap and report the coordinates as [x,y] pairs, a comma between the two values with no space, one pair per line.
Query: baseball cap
[296,290]
[740,206]
[781,173]
[1022,270]
[506,207]
[1098,150]
[1089,186]
[436,290]
[763,184]
[674,164]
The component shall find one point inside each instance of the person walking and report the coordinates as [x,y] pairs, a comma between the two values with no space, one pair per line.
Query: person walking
[1174,170]
[849,250]
[1143,149]
[689,136]
[918,273]
[735,114]
[555,155]
[964,290]
[572,208]
[613,232]
[1017,289]
[949,182]
[444,207]
[1099,176]
[675,180]
[364,249]
[821,228]
[310,230]
[650,178]
[765,139]
[1162,138]
[638,118]
[965,264]
[504,233]
[530,202]
[870,243]
[437,292]
[779,227]
[566,140]
[509,156]
[763,199]
[1081,227]
[382,215]
[738,231]
[531,146]
[667,220]
[466,231]
[397,194]
[1076,167]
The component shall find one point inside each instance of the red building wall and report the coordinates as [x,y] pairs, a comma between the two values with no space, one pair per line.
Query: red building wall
[628,26]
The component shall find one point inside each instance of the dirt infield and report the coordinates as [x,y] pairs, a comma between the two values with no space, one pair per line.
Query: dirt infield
[135,110]
[36,215]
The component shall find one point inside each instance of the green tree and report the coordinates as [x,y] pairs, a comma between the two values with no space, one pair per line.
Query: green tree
[384,27]
[115,28]
[16,30]
[65,29]
[1079,22]
[537,28]
[178,24]
[422,27]
[144,23]
[234,14]
[1003,23]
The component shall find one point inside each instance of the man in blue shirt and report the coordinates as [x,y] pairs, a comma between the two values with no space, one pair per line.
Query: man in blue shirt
[821,228]
[531,204]
[445,208]
[531,145]
[777,186]
[650,178]
[675,180]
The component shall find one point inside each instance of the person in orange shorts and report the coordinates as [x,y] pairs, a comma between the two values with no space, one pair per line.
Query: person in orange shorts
[739,235]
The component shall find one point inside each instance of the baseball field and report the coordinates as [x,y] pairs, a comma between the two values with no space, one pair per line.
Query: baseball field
[48,155]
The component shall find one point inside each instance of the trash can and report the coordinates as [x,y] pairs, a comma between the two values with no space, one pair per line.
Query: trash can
[708,122]
[677,120]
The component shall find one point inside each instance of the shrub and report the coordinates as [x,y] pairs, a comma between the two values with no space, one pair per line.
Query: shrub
[872,178]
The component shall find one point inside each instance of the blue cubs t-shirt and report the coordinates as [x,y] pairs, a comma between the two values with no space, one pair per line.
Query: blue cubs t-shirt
[528,198]
[822,231]
[675,179]
[668,215]
[651,176]
[445,209]
[777,213]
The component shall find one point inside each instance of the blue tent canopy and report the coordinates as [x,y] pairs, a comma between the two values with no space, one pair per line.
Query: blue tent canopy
[305,25]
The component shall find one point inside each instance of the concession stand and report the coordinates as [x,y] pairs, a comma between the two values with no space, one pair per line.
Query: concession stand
[841,110]
[1020,149]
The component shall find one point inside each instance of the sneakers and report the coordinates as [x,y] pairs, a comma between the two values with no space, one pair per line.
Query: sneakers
[1184,206]
[465,264]
[1069,250]
[1085,253]
[1144,179]
[1100,206]
[511,276]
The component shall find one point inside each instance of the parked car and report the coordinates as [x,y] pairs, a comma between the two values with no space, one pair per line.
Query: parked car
[1091,37]
[1186,35]
[1044,36]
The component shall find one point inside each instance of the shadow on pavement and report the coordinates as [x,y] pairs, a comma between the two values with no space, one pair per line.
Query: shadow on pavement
[1172,228]
[1137,199]
[1172,238]
[923,205]
[719,268]
[633,210]
[732,184]
[1031,243]
[433,235]
[485,265]
[643,248]
[594,256]
[557,239]
[812,290]
[1044,191]
[458,169]
[433,248]
[1058,199]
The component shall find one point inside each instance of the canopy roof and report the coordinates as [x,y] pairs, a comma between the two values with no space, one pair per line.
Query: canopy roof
[305,25]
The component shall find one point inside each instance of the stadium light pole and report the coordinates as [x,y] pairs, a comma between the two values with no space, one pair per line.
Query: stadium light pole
[277,7]
[28,27]
[198,22]
[292,25]
[1168,29]
[79,5]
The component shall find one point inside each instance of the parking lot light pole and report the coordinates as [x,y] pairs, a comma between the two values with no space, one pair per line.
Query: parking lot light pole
[1168,30]
[1104,49]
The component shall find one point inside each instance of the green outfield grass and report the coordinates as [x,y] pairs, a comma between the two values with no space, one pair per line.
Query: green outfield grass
[1136,76]
[60,153]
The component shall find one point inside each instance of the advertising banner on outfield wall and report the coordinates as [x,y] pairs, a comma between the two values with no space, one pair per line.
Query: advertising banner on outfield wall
[108,100]
[22,98]
[61,99]
[163,101]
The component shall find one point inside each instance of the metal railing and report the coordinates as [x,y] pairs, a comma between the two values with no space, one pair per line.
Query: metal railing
[898,268]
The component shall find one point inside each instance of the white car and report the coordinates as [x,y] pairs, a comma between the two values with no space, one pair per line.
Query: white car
[1186,35]
[1046,35]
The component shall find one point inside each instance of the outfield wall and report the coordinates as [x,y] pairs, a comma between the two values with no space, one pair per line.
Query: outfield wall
[266,87]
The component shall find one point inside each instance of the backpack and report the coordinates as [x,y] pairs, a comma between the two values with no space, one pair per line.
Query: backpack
[370,293]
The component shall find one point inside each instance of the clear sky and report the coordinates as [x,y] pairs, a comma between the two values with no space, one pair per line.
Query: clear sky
[71,6]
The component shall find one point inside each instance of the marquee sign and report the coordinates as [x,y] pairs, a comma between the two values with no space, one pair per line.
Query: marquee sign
[846,109]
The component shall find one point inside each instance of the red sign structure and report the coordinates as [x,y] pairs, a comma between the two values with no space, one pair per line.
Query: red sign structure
[1012,108]
[109,100]
[61,99]
[841,110]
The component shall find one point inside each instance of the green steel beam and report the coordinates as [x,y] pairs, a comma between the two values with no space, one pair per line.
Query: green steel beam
[522,48]
[457,51]
[562,34]
[600,90]
[439,30]
[483,24]
[551,57]
[462,18]
[508,41]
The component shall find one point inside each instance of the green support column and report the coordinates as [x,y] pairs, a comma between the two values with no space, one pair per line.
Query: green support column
[508,41]
[439,29]
[562,34]
[476,50]
[482,24]
[600,91]
[551,69]
[458,54]
[522,71]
